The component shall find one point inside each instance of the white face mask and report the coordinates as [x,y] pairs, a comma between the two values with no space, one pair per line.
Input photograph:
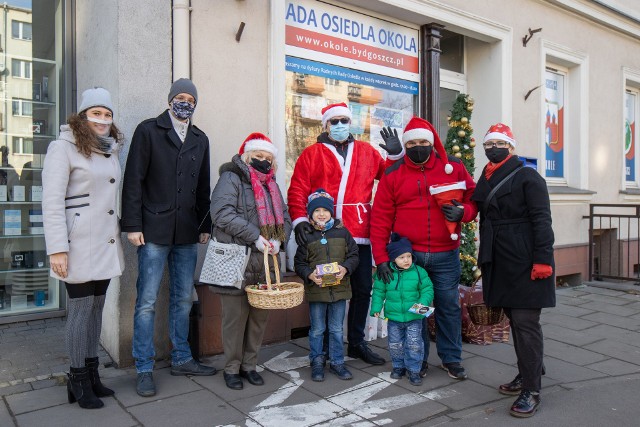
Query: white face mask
[100,122]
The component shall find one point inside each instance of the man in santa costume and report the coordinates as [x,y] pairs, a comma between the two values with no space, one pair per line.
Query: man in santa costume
[347,169]
[404,205]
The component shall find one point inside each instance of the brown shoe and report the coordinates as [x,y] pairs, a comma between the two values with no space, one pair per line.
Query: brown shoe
[513,388]
[526,404]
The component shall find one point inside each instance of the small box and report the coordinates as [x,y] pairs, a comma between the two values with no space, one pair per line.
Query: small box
[3,193]
[423,310]
[36,194]
[12,222]
[39,127]
[18,301]
[18,193]
[328,273]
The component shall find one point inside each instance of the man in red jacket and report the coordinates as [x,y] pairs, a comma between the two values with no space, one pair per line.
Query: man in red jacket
[347,169]
[404,204]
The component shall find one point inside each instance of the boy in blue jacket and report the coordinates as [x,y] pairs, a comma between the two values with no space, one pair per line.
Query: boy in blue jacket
[410,284]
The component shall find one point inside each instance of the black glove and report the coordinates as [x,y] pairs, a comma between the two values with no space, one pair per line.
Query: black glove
[301,231]
[383,270]
[392,143]
[453,213]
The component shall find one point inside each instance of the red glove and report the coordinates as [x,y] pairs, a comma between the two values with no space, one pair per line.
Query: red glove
[541,271]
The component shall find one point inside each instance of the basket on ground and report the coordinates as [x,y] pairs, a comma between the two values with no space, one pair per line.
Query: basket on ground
[279,296]
[480,314]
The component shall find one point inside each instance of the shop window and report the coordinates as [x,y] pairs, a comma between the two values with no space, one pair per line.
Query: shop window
[452,56]
[21,69]
[21,30]
[630,149]
[565,128]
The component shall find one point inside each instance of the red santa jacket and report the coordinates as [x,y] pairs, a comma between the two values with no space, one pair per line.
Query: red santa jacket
[404,204]
[349,181]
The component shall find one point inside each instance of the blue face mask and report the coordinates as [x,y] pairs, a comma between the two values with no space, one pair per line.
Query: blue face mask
[182,110]
[339,132]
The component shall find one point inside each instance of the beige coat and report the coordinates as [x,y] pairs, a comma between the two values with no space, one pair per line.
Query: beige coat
[79,207]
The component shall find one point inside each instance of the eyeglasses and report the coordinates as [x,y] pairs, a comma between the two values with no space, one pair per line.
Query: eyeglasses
[343,120]
[497,144]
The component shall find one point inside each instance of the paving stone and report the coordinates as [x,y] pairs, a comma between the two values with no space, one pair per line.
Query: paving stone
[5,416]
[571,310]
[44,383]
[606,300]
[615,367]
[202,406]
[37,399]
[569,353]
[577,338]
[617,334]
[66,415]
[12,389]
[614,320]
[618,310]
[617,350]
[604,291]
[564,371]
[463,394]
[567,321]
[500,352]
[568,300]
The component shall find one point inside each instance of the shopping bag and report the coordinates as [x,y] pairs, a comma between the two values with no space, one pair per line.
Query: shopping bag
[225,264]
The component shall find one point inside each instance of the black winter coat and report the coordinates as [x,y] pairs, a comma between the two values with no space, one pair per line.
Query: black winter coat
[236,221]
[165,192]
[515,233]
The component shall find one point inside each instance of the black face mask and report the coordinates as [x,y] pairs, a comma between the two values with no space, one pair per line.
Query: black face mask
[420,153]
[496,155]
[263,166]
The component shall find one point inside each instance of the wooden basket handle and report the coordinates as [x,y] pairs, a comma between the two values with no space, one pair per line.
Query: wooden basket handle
[266,269]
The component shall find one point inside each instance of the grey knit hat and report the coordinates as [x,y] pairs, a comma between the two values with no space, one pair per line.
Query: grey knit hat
[95,97]
[183,86]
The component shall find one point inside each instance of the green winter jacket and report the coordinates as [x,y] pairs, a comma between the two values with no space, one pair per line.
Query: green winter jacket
[340,248]
[405,289]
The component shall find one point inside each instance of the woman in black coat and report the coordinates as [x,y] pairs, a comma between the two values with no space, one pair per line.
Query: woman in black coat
[516,257]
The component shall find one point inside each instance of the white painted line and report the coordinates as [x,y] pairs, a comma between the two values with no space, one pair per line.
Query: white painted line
[439,394]
[284,363]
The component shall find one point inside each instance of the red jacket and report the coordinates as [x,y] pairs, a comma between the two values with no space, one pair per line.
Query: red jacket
[350,183]
[404,204]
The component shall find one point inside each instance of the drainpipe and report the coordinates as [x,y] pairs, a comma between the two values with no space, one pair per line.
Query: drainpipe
[181,54]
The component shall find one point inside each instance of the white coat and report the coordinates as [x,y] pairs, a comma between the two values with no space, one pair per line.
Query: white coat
[79,208]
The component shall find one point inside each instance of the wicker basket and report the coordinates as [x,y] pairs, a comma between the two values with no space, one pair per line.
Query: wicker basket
[286,294]
[480,314]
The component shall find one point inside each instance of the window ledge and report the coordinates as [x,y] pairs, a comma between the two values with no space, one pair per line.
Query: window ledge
[631,194]
[560,194]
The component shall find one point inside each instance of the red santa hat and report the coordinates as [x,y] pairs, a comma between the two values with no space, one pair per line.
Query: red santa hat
[258,141]
[334,110]
[501,132]
[418,128]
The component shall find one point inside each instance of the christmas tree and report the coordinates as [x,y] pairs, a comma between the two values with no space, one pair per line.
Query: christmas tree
[460,143]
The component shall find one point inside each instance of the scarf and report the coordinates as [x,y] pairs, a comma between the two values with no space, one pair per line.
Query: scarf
[105,144]
[322,227]
[491,167]
[270,215]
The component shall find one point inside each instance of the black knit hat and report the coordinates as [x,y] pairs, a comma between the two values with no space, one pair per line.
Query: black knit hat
[397,246]
[319,199]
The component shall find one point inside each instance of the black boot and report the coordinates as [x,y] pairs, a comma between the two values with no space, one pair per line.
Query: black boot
[99,389]
[79,389]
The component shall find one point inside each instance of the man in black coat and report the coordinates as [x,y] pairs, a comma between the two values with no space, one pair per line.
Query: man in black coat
[516,257]
[165,212]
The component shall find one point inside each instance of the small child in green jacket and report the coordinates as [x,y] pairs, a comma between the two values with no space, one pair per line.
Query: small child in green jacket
[410,284]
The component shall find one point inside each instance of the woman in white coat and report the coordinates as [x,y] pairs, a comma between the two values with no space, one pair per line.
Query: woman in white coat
[81,180]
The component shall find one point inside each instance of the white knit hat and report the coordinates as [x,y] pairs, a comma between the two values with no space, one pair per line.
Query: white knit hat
[95,97]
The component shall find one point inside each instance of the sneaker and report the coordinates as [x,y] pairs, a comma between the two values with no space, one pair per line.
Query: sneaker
[424,369]
[317,369]
[145,386]
[397,373]
[526,404]
[414,378]
[341,371]
[362,351]
[192,368]
[513,388]
[455,370]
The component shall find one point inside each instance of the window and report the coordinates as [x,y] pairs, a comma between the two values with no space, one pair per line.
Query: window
[554,138]
[20,68]
[630,149]
[21,30]
[21,107]
[22,145]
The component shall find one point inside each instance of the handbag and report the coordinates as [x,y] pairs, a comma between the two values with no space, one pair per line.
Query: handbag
[225,263]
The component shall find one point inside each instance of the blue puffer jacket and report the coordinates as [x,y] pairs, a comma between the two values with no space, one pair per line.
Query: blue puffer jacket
[407,287]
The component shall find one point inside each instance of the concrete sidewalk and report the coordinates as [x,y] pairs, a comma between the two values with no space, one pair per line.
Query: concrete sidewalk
[592,348]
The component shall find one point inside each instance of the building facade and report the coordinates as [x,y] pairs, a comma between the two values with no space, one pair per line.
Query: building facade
[270,65]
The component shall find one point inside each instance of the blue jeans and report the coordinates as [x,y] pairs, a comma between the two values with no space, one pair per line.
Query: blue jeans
[405,344]
[332,312]
[361,284]
[151,261]
[444,271]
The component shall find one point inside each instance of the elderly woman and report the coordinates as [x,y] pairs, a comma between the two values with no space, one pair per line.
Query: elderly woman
[80,179]
[516,257]
[247,208]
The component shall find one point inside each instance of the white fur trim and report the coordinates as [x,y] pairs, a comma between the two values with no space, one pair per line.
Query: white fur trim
[298,221]
[397,156]
[418,133]
[335,111]
[448,168]
[460,185]
[260,144]
[500,137]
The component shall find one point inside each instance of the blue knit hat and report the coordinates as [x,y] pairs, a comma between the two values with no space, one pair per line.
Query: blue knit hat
[397,246]
[319,199]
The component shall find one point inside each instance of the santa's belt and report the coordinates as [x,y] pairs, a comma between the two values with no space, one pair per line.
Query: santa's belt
[358,207]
